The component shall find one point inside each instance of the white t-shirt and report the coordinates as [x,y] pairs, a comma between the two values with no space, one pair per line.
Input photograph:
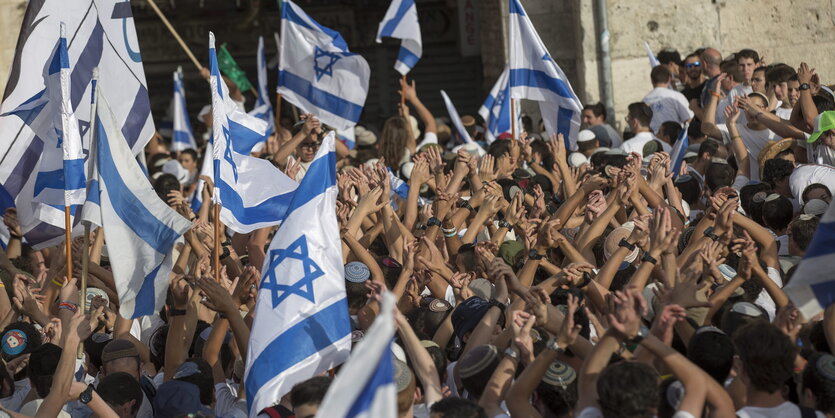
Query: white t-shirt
[764,300]
[667,105]
[754,141]
[783,112]
[805,175]
[785,409]
[594,412]
[637,142]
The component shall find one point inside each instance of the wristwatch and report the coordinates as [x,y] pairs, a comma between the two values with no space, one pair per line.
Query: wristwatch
[465,204]
[86,396]
[510,352]
[649,259]
[709,233]
[433,221]
[176,312]
[533,255]
[505,224]
[804,86]
[552,345]
[624,243]
[494,302]
[643,332]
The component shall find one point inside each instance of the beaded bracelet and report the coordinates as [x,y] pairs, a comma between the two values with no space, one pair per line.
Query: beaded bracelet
[68,306]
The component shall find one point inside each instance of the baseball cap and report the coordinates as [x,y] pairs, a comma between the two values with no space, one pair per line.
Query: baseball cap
[176,398]
[823,122]
[468,314]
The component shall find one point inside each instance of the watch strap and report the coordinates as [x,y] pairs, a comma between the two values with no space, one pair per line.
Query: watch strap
[87,396]
[649,259]
[505,224]
[533,255]
[510,352]
[496,303]
[624,243]
[176,312]
[553,346]
[804,86]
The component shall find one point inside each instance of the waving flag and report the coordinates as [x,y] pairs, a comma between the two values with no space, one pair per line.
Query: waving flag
[653,60]
[103,36]
[365,387]
[301,327]
[496,109]
[60,180]
[253,193]
[535,76]
[317,72]
[263,108]
[812,288]
[456,120]
[401,22]
[140,227]
[183,137]
[678,151]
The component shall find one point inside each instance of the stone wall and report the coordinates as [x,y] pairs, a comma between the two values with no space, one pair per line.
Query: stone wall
[11,15]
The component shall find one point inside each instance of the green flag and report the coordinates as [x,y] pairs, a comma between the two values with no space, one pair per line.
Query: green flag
[230,68]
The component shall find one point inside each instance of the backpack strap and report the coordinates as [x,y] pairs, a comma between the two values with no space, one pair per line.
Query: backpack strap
[807,412]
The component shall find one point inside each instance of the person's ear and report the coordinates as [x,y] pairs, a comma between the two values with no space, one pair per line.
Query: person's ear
[809,395]
[418,395]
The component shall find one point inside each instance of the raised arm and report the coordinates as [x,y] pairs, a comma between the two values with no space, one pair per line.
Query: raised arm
[709,127]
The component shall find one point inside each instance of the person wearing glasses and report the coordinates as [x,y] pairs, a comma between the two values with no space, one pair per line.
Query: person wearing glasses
[694,83]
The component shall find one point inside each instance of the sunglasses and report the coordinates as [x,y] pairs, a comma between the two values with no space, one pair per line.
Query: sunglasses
[693,65]
[310,144]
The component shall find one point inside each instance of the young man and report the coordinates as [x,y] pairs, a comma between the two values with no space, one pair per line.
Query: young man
[594,119]
[638,119]
[694,83]
[777,80]
[666,103]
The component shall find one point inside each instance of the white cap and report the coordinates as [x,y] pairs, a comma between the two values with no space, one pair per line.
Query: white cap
[364,136]
[406,169]
[576,159]
[815,207]
[585,135]
[173,167]
[473,148]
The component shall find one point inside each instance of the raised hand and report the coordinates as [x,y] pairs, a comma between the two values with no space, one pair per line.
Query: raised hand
[626,308]
[569,331]
[521,325]
[487,169]
[10,219]
[409,91]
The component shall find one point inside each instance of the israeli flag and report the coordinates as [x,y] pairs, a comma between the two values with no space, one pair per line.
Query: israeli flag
[206,169]
[102,35]
[456,120]
[365,387]
[535,76]
[182,138]
[263,108]
[653,60]
[401,22]
[60,180]
[140,227]
[317,72]
[302,327]
[812,288]
[348,137]
[252,192]
[496,109]
[678,151]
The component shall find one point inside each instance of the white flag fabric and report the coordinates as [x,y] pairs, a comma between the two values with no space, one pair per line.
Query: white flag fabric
[60,179]
[401,22]
[101,34]
[365,387]
[456,120]
[496,108]
[317,72]
[678,151]
[183,138]
[534,75]
[207,169]
[139,227]
[263,108]
[653,60]
[812,288]
[302,327]
[252,192]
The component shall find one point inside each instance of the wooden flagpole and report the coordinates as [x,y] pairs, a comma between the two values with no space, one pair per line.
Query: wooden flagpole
[216,251]
[277,113]
[175,34]
[68,229]
[403,95]
[513,118]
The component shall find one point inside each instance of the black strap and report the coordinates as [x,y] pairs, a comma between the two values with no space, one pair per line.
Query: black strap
[807,412]
[148,387]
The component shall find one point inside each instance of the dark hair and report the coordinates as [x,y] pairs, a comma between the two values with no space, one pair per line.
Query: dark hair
[559,400]
[668,55]
[694,54]
[641,112]
[801,232]
[499,147]
[710,146]
[713,352]
[660,74]
[439,359]
[776,169]
[357,294]
[748,53]
[427,320]
[820,383]
[165,183]
[690,189]
[777,213]
[191,152]
[694,130]
[120,388]
[779,73]
[824,102]
[458,408]
[767,355]
[747,192]
[541,147]
[637,399]
[670,129]
[731,68]
[814,186]
[311,391]
[598,109]
[42,365]
[718,175]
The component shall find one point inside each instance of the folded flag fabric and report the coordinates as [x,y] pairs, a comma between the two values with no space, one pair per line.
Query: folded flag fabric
[182,138]
[653,60]
[263,108]
[496,108]
[401,22]
[812,288]
[456,120]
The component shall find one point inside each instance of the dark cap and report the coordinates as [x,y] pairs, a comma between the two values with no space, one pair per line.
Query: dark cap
[466,316]
[176,398]
[117,349]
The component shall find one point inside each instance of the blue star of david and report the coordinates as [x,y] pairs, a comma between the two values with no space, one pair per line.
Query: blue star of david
[227,154]
[326,69]
[304,286]
[547,57]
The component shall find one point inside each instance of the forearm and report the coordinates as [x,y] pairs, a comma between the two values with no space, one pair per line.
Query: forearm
[174,346]
[411,206]
[593,365]
[182,260]
[287,148]
[482,332]
[709,127]
[421,362]
[610,268]
[365,257]
[721,295]
[62,378]
[639,279]
[98,245]
[491,398]
[15,247]
[598,226]
[777,295]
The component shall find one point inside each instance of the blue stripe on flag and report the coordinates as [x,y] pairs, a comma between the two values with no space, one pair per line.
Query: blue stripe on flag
[383,375]
[308,337]
[391,25]
[318,97]
[539,79]
[127,206]
[516,8]
[93,192]
[407,57]
[89,58]
[270,210]
[323,170]
[145,301]
[74,177]
[243,139]
[182,137]
[823,242]
[137,117]
[55,179]
[24,168]
[564,124]
[824,292]
[60,60]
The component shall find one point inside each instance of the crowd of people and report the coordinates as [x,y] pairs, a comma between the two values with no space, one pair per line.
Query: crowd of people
[532,279]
